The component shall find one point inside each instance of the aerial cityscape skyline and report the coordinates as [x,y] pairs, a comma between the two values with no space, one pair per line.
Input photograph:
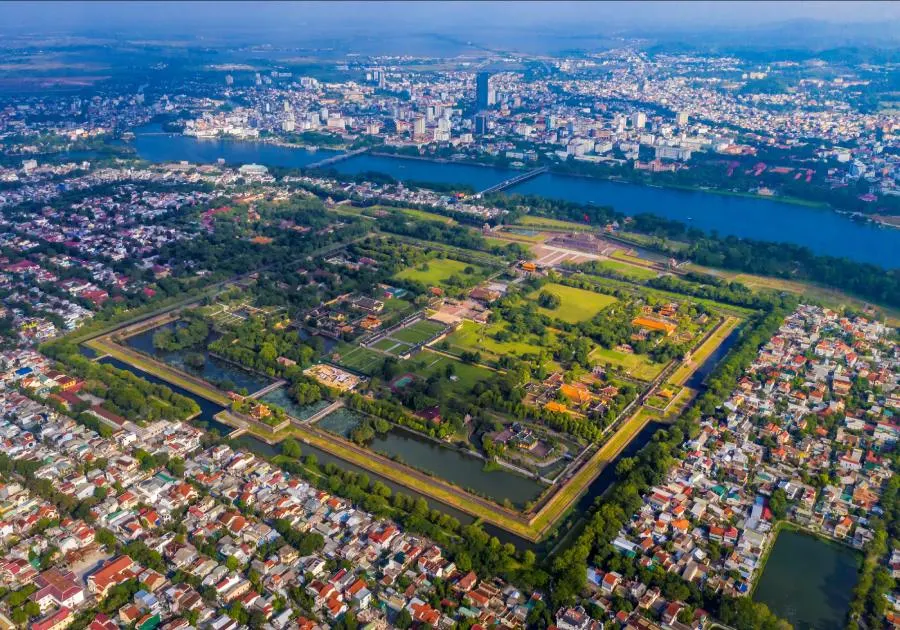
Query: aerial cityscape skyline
[450,315]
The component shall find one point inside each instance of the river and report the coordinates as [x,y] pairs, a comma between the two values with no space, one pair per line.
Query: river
[822,231]
[152,144]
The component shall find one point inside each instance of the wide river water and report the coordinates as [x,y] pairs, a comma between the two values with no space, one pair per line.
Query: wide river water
[823,231]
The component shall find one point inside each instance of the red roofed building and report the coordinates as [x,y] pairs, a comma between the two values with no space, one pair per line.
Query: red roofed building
[102,622]
[113,572]
[57,588]
[57,621]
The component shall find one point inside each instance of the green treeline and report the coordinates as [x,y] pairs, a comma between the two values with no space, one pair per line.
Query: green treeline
[469,546]
[124,393]
[780,260]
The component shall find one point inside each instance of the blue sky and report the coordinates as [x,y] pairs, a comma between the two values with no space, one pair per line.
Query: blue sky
[210,17]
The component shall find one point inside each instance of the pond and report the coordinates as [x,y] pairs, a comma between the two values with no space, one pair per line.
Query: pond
[280,398]
[808,581]
[214,370]
[443,462]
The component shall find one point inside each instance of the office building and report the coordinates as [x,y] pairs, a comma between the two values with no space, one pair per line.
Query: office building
[484,95]
[638,120]
[480,124]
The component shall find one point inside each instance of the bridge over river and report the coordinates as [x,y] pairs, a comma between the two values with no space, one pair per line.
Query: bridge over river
[512,181]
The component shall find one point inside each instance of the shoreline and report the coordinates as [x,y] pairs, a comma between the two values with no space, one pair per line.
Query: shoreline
[792,201]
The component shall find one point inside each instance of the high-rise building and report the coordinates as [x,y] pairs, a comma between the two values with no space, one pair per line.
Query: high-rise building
[229,80]
[481,124]
[681,119]
[638,120]
[419,127]
[484,95]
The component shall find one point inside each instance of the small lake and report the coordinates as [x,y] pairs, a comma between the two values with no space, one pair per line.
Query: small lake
[443,462]
[808,581]
[214,370]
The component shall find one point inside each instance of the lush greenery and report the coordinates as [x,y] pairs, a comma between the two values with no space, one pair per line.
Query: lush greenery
[636,475]
[124,393]
[781,260]
[187,333]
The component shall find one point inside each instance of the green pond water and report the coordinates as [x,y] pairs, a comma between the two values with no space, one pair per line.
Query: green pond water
[808,581]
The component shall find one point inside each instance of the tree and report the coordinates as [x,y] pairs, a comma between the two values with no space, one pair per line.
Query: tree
[778,504]
[290,448]
[403,620]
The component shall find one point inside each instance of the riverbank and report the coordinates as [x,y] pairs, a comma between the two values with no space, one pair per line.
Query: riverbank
[797,201]
[758,218]
[707,346]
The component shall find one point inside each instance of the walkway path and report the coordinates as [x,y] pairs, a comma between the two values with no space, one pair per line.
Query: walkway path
[337,404]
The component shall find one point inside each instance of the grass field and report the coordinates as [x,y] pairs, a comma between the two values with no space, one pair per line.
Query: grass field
[646,239]
[637,365]
[418,332]
[576,305]
[829,297]
[435,272]
[359,359]
[391,346]
[469,338]
[524,235]
[427,363]
[504,243]
[426,216]
[630,271]
[554,223]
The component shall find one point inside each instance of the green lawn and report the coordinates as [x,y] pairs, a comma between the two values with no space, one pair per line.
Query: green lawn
[427,363]
[359,359]
[629,271]
[468,337]
[391,346]
[531,221]
[421,331]
[638,365]
[576,305]
[395,305]
[436,271]
[427,216]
